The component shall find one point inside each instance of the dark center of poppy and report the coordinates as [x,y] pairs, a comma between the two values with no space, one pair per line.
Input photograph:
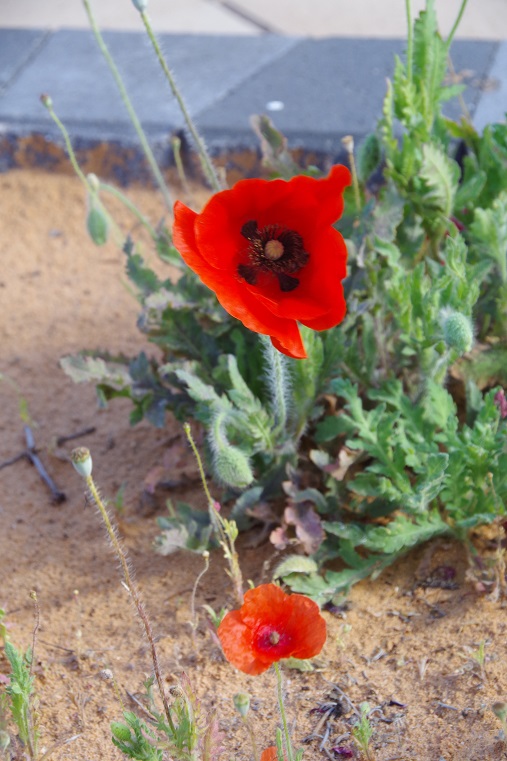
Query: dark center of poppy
[274,249]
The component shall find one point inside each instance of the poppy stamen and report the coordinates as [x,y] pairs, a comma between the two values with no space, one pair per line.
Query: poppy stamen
[274,249]
[274,638]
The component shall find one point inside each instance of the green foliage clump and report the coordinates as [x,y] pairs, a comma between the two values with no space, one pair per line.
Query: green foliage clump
[389,433]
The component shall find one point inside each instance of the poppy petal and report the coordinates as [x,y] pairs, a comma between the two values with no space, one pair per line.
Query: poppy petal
[236,640]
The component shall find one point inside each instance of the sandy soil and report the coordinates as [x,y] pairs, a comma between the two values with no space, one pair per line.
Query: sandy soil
[405,643]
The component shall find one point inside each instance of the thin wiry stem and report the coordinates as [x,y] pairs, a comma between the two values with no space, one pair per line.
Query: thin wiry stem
[130,206]
[48,103]
[130,108]
[410,40]
[134,593]
[456,23]
[288,744]
[206,162]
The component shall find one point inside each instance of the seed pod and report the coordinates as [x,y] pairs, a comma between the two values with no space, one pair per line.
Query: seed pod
[82,461]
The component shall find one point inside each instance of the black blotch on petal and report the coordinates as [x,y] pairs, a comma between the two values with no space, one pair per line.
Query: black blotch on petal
[250,230]
[247,273]
[287,283]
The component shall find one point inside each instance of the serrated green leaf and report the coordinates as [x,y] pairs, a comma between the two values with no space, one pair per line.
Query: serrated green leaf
[295,564]
[200,391]
[402,533]
[440,176]
[83,368]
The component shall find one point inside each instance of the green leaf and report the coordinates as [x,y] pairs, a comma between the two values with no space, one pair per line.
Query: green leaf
[83,368]
[369,155]
[294,564]
[438,179]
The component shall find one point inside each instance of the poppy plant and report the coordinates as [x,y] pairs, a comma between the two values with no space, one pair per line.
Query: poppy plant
[269,626]
[269,251]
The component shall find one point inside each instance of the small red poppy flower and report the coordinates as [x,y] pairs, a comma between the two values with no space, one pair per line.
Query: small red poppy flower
[270,754]
[269,251]
[269,626]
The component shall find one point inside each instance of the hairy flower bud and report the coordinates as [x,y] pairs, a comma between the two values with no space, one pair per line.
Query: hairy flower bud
[82,461]
[458,332]
[96,224]
[232,467]
[46,101]
[500,710]
[242,703]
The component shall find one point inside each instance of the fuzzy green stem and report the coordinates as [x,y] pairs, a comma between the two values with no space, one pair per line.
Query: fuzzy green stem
[134,593]
[130,206]
[77,169]
[130,108]
[204,156]
[176,146]
[456,23]
[278,381]
[223,528]
[410,40]
[191,441]
[288,743]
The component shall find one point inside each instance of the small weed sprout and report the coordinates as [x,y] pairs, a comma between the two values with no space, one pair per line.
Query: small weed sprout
[480,657]
[21,695]
[362,733]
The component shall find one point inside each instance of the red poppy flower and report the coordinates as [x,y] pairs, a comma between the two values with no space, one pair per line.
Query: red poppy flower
[269,251]
[270,754]
[269,626]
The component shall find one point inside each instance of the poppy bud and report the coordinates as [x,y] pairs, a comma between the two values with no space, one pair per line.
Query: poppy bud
[500,711]
[458,332]
[46,101]
[141,5]
[96,224]
[120,731]
[93,182]
[232,467]
[82,461]
[242,703]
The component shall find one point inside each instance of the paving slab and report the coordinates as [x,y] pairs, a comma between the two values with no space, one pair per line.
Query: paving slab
[321,90]
[483,19]
[190,16]
[16,49]
[492,107]
[72,70]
